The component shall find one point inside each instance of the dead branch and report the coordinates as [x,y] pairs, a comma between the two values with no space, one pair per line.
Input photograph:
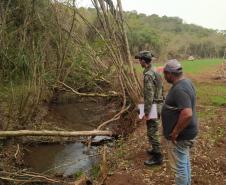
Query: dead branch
[26,177]
[17,151]
[112,94]
[116,117]
[54,133]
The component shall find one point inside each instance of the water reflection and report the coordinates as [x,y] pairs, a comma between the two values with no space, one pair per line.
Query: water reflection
[61,159]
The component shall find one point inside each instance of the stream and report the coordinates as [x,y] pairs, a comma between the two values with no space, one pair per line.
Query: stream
[68,159]
[62,159]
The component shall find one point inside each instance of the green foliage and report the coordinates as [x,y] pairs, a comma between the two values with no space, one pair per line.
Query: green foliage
[175,39]
[209,94]
[95,171]
[144,39]
[219,100]
[23,38]
[33,55]
[78,174]
[206,114]
[120,145]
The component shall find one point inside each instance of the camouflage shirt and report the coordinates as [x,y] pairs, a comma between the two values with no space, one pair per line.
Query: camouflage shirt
[153,90]
[149,89]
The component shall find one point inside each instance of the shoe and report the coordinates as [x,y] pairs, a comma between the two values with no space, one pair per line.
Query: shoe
[150,151]
[157,159]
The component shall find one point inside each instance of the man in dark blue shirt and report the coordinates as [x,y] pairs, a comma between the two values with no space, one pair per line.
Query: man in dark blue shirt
[179,121]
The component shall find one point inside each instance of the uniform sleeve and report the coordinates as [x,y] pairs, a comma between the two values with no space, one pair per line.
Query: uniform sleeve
[148,93]
[183,100]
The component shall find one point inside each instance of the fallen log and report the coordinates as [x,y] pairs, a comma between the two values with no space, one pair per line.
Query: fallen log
[54,133]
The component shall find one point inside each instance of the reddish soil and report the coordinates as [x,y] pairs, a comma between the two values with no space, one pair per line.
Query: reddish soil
[207,156]
[208,159]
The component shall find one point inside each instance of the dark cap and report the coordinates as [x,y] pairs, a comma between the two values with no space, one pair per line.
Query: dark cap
[173,66]
[144,55]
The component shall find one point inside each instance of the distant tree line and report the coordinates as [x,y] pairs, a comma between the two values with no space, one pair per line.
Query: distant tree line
[169,37]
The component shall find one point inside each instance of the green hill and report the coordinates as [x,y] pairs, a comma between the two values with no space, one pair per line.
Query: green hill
[170,37]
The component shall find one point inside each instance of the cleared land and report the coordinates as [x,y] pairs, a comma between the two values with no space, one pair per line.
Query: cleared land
[208,154]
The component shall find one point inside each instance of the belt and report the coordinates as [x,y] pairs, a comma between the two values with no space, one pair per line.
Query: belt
[171,107]
[158,101]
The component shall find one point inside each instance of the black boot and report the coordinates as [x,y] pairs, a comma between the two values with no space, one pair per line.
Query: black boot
[156,159]
[150,151]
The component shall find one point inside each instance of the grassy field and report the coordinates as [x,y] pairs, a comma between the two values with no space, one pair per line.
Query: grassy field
[193,67]
[200,65]
[211,94]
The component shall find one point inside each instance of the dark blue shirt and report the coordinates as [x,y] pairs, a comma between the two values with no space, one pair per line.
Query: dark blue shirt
[181,95]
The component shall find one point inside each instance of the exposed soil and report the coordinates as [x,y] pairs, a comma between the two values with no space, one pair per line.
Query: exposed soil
[208,156]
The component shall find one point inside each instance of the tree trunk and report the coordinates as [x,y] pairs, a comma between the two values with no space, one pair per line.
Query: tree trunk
[54,133]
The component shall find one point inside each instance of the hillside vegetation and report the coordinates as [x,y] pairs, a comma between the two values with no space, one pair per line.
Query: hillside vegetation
[169,37]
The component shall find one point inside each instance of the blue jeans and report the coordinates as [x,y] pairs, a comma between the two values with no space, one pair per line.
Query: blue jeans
[180,160]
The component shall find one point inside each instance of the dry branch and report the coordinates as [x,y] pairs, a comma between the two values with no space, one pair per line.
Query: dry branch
[25,178]
[113,93]
[54,133]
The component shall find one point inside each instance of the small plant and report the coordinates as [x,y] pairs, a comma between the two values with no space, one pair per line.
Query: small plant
[218,100]
[120,145]
[220,133]
[120,153]
[78,174]
[95,171]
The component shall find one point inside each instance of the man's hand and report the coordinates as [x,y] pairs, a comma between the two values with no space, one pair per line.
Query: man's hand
[145,117]
[183,121]
[141,101]
[174,136]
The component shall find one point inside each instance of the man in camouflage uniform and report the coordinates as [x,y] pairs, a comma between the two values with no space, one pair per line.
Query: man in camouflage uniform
[152,94]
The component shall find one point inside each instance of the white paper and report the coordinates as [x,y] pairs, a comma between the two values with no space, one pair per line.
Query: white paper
[153,113]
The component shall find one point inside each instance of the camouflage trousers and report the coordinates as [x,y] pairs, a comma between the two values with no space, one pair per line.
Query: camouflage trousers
[153,135]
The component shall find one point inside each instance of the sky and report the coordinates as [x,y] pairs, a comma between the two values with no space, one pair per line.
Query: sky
[206,13]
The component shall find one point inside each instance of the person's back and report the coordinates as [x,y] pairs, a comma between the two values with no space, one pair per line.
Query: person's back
[174,102]
[179,121]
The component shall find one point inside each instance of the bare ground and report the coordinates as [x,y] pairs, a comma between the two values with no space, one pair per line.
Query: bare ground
[207,156]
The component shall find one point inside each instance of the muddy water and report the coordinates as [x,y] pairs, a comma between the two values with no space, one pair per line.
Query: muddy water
[61,159]
[67,159]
